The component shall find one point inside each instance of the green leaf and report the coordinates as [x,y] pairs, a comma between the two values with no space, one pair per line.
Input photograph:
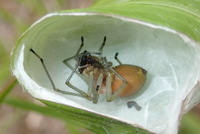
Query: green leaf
[7,89]
[190,124]
[181,15]
[4,65]
[93,122]
[96,123]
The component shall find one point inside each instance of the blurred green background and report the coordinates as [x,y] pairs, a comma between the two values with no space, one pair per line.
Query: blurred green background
[15,115]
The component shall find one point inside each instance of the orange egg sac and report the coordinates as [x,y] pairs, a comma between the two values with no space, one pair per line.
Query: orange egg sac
[136,77]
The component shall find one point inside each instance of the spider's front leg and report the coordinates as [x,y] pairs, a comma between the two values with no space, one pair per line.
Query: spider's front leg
[50,78]
[75,56]
[82,93]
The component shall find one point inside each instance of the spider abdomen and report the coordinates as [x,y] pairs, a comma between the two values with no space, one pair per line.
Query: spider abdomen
[136,77]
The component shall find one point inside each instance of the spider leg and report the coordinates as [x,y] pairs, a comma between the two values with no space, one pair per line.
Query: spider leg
[109,81]
[50,78]
[118,91]
[90,83]
[75,56]
[103,44]
[99,53]
[108,86]
[96,90]
[82,93]
[116,58]
[66,61]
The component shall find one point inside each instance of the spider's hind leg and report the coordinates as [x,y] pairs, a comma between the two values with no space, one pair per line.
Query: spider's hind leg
[118,91]
[109,79]
[116,58]
[109,95]
[97,88]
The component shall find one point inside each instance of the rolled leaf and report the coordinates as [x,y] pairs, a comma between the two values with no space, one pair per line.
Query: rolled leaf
[141,32]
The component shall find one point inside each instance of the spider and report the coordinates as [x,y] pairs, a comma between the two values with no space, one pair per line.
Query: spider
[119,81]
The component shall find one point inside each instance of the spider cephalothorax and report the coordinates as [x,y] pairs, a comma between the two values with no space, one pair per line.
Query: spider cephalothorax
[86,60]
[119,81]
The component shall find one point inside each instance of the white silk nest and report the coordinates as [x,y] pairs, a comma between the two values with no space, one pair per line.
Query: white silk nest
[171,59]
